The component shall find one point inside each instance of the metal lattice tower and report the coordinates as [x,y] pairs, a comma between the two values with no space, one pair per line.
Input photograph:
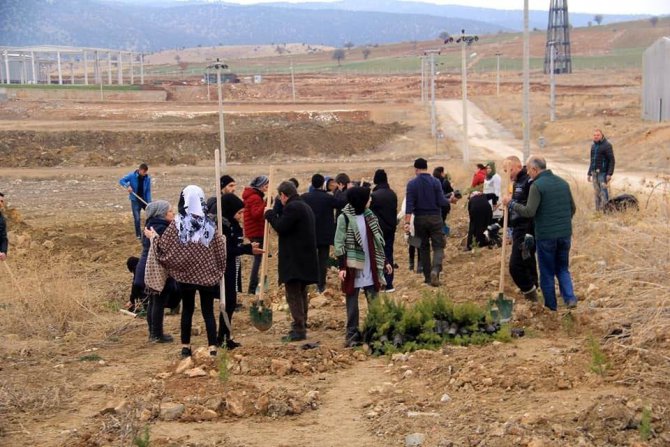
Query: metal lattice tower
[558,38]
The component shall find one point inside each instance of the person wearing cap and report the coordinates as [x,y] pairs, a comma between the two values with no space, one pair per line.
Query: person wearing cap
[385,206]
[480,175]
[232,209]
[324,206]
[254,222]
[425,201]
[228,184]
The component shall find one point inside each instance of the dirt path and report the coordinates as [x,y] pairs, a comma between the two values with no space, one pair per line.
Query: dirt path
[339,421]
[489,139]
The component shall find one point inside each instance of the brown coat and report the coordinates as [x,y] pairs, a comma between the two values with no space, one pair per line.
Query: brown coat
[191,263]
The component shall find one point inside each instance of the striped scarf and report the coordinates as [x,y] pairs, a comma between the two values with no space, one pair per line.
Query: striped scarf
[353,244]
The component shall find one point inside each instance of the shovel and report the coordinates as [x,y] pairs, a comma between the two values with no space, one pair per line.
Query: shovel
[260,312]
[501,308]
[219,227]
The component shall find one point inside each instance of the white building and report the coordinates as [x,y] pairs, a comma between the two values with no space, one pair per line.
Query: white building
[656,81]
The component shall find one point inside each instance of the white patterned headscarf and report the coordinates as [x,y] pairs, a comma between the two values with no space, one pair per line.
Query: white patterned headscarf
[192,222]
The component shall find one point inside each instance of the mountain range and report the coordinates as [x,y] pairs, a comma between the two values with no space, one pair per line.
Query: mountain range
[151,25]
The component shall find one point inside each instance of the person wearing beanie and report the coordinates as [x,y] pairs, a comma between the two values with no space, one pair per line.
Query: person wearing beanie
[324,206]
[254,223]
[228,184]
[385,206]
[359,247]
[424,201]
[232,209]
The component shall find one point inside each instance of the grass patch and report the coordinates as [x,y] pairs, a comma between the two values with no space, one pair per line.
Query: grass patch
[599,361]
[142,439]
[645,428]
[392,326]
[90,358]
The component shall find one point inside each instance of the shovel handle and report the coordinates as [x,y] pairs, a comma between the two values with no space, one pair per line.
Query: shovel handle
[266,242]
[503,250]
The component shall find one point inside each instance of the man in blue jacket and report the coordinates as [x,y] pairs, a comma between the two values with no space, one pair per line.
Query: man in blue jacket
[138,184]
[424,200]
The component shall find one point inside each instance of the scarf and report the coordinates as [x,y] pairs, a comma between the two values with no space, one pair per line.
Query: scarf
[353,244]
[492,165]
[194,226]
[157,208]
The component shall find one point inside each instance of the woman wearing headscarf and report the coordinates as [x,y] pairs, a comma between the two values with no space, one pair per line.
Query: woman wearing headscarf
[159,215]
[232,209]
[194,254]
[359,247]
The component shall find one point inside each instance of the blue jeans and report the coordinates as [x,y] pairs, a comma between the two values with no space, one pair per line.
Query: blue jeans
[600,190]
[137,208]
[553,256]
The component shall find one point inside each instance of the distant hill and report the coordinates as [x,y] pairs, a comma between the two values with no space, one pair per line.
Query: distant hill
[148,27]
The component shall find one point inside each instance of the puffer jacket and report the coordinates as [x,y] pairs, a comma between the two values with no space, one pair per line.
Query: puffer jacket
[254,208]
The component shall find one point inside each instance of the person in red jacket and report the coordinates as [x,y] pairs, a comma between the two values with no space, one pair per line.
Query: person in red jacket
[480,175]
[254,221]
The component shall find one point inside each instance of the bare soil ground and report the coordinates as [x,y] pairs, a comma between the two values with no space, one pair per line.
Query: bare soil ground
[76,372]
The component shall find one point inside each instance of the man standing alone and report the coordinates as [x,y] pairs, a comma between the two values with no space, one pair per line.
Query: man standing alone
[601,168]
[4,242]
[138,184]
[424,200]
[550,202]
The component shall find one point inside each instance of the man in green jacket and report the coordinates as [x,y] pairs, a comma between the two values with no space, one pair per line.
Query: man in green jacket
[551,204]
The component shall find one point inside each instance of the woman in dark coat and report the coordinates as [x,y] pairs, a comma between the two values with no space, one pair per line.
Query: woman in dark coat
[232,209]
[159,215]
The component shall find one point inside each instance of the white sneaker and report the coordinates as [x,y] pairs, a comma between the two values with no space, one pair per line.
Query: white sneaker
[390,290]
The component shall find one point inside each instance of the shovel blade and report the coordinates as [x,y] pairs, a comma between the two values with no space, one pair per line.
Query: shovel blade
[260,316]
[501,309]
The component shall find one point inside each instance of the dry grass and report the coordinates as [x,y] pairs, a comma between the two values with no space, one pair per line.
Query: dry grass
[625,261]
[46,297]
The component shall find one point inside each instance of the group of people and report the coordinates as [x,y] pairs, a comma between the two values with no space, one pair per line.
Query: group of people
[357,223]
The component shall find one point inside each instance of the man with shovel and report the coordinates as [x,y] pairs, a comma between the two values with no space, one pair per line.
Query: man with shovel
[551,204]
[138,184]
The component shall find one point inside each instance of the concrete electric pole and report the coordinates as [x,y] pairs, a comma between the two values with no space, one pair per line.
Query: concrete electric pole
[526,84]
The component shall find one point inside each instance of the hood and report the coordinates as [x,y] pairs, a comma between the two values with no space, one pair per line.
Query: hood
[249,191]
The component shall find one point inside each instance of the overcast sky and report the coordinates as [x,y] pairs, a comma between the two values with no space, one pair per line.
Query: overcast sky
[591,6]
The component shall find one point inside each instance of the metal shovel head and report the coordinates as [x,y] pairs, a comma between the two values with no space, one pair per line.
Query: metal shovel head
[261,316]
[414,241]
[501,309]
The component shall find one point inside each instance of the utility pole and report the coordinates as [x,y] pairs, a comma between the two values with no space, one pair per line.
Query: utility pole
[292,82]
[526,83]
[498,54]
[423,81]
[433,114]
[218,66]
[142,68]
[465,40]
[552,77]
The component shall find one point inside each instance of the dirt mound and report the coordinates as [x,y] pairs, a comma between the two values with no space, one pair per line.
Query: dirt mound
[246,139]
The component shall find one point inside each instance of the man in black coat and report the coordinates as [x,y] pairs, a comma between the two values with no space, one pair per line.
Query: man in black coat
[324,206]
[298,261]
[385,206]
[4,242]
[481,217]
[522,265]
[601,168]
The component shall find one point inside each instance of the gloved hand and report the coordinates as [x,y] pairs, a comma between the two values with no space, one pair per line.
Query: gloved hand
[527,246]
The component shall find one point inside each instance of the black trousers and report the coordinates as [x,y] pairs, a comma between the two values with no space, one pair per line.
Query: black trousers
[429,229]
[298,303]
[155,314]
[353,312]
[255,267]
[207,294]
[323,252]
[523,271]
